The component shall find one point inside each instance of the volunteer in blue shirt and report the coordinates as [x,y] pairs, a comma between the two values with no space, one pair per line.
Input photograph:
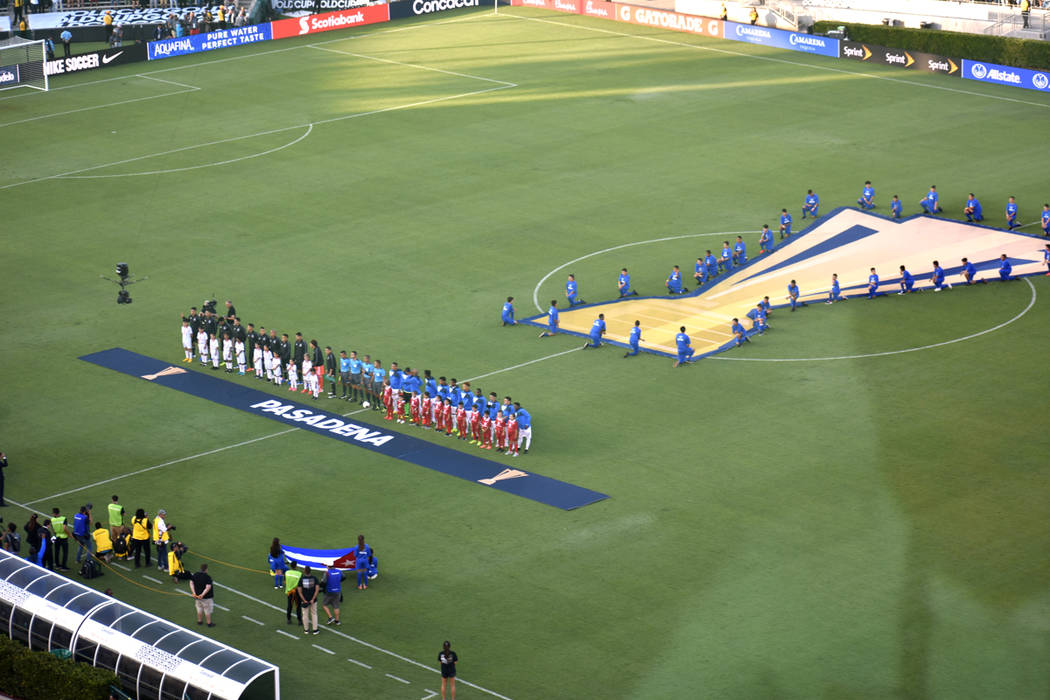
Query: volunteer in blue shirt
[785,224]
[685,348]
[524,428]
[973,209]
[699,272]
[758,319]
[938,277]
[969,271]
[739,334]
[725,260]
[896,207]
[811,205]
[552,320]
[711,263]
[333,591]
[873,284]
[674,282]
[634,339]
[1044,219]
[82,531]
[507,316]
[867,196]
[623,283]
[597,331]
[834,294]
[571,292]
[1005,268]
[931,202]
[793,295]
[765,240]
[739,252]
[907,281]
[362,561]
[1011,214]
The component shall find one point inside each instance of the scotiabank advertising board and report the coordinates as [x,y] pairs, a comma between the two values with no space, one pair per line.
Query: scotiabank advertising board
[669,20]
[343,19]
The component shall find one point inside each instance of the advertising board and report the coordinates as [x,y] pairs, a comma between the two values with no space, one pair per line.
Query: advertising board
[912,60]
[197,43]
[1006,75]
[781,39]
[343,19]
[92,60]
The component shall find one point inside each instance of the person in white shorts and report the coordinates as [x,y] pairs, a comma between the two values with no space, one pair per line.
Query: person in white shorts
[187,340]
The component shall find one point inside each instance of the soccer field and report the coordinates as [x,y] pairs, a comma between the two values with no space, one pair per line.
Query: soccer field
[851,507]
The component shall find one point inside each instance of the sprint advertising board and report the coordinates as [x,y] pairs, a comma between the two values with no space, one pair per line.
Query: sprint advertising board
[781,39]
[1006,75]
[911,60]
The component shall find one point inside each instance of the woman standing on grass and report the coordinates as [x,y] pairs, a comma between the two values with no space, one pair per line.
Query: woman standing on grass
[277,564]
[140,536]
[447,658]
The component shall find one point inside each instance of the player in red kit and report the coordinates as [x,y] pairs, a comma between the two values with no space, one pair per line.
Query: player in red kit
[486,431]
[512,436]
[475,426]
[446,417]
[399,406]
[501,432]
[388,400]
[414,408]
[461,423]
[425,410]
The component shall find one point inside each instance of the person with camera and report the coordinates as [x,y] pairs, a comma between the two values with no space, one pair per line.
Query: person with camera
[161,537]
[140,527]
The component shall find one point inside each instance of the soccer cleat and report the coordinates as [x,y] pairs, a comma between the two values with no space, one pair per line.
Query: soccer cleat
[330,620]
[526,450]
[316,632]
[332,396]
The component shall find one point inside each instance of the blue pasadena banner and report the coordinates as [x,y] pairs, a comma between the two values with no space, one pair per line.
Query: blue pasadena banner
[782,39]
[352,432]
[1006,75]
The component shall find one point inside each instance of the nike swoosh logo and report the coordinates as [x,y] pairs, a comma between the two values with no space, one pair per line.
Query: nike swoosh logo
[107,59]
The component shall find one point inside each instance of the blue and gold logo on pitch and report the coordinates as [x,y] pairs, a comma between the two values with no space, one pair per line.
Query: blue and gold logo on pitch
[846,242]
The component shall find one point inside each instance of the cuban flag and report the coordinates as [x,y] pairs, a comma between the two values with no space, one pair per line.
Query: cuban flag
[342,559]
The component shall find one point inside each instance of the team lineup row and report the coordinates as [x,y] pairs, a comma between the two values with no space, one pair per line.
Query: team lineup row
[424,401]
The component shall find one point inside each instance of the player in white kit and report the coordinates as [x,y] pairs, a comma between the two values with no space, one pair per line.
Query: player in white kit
[187,341]
[213,350]
[202,346]
[227,352]
[238,351]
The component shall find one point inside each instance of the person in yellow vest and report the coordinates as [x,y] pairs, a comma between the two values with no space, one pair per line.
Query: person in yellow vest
[175,568]
[291,591]
[222,17]
[122,543]
[161,538]
[107,22]
[116,518]
[723,14]
[1026,9]
[753,16]
[103,544]
[140,536]
[58,526]
[19,8]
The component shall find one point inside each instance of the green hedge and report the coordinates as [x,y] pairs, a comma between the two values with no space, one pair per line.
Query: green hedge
[1020,53]
[37,675]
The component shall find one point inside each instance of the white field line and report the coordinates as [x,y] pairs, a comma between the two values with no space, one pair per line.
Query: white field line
[1026,309]
[327,651]
[397,678]
[309,129]
[432,694]
[88,109]
[523,364]
[730,52]
[287,634]
[536,289]
[412,65]
[363,665]
[221,607]
[252,619]
[122,566]
[150,578]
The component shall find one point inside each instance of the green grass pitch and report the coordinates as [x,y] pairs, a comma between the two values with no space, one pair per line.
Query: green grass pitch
[864,528]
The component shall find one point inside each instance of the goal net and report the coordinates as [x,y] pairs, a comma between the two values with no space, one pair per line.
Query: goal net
[22,64]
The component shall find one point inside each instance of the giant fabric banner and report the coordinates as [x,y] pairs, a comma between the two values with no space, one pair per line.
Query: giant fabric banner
[781,39]
[196,43]
[1006,75]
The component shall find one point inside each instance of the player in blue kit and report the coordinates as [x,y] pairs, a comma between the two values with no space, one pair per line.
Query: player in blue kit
[634,339]
[1005,268]
[969,272]
[834,293]
[552,320]
[739,334]
[507,317]
[725,259]
[938,277]
[623,283]
[765,240]
[931,202]
[973,209]
[758,318]
[785,224]
[867,196]
[711,263]
[685,348]
[793,295]
[571,292]
[873,284]
[811,205]
[896,207]
[674,282]
[739,252]
[699,272]
[907,281]
[597,331]
[1011,214]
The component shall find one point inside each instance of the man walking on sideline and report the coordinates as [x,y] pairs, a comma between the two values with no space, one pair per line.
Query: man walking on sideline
[203,594]
[333,591]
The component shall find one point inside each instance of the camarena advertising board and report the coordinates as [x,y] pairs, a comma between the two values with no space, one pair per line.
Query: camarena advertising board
[196,43]
[1006,75]
[781,39]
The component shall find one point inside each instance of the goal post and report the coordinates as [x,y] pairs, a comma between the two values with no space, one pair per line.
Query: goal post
[23,64]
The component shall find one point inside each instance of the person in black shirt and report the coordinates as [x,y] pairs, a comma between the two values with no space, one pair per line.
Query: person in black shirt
[231,312]
[331,368]
[308,589]
[284,350]
[448,658]
[195,320]
[299,353]
[3,465]
[251,338]
[203,593]
[317,358]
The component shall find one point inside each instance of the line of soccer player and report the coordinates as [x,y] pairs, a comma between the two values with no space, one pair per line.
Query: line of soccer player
[425,401]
